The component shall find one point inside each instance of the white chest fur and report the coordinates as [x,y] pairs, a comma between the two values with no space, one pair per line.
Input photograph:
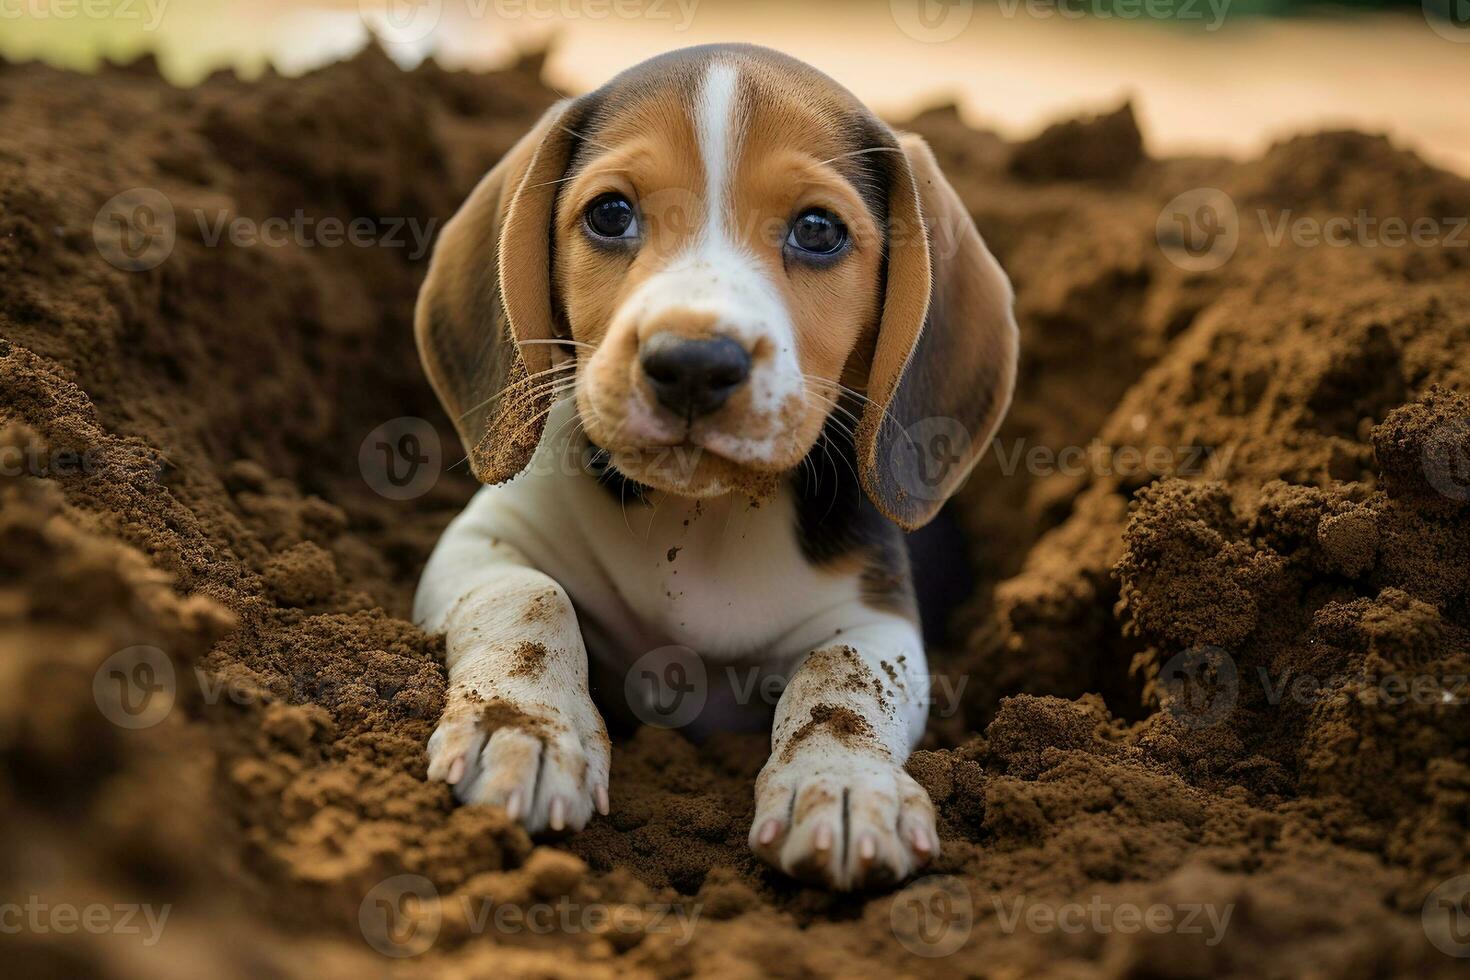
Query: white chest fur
[725,576]
[546,578]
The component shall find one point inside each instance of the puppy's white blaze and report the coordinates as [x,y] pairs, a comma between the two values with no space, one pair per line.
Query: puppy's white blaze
[717,276]
[717,125]
[720,275]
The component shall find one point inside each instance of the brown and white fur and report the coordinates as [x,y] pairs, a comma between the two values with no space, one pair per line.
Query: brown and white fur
[766,531]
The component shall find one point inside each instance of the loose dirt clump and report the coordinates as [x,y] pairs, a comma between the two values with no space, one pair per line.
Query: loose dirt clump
[843,724]
[1214,671]
[530,660]
[498,714]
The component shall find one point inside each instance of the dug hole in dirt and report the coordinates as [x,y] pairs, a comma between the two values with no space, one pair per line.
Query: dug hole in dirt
[181,448]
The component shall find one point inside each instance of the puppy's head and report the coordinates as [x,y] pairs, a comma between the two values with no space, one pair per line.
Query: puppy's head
[721,250]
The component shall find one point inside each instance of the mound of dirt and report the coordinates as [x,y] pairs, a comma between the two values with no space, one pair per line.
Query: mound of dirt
[1212,717]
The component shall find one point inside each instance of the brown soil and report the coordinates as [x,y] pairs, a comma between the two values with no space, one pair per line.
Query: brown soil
[181,449]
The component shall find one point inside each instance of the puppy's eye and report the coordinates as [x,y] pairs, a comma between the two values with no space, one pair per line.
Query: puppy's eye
[611,216]
[817,232]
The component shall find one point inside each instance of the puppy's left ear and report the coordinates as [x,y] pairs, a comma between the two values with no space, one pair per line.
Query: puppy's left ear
[485,318]
[946,347]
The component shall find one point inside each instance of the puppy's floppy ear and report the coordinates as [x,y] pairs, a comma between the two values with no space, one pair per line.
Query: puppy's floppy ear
[946,347]
[487,291]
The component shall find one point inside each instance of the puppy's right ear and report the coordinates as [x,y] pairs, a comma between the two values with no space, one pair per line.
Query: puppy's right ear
[947,344]
[488,292]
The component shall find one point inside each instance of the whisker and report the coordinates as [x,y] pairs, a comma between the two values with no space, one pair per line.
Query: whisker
[572,421]
[612,439]
[837,406]
[858,153]
[623,484]
[595,173]
[827,387]
[558,340]
[841,428]
[653,517]
[729,516]
[810,468]
[557,397]
[529,395]
[824,439]
[887,416]
[851,468]
[514,385]
[585,138]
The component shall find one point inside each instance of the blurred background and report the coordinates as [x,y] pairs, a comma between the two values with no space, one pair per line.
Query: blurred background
[1206,76]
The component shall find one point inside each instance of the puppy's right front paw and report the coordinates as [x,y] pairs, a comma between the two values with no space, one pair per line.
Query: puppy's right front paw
[842,818]
[547,766]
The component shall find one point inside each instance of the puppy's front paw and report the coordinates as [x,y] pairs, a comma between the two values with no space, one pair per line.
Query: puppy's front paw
[546,765]
[842,818]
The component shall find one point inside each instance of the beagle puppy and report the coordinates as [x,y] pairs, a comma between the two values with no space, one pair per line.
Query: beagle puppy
[686,328]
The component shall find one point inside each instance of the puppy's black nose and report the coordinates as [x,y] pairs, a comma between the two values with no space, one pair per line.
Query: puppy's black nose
[694,377]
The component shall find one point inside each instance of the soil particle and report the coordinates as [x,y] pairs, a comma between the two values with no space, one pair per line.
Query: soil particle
[542,610]
[843,724]
[529,660]
[1350,541]
[302,575]
[498,713]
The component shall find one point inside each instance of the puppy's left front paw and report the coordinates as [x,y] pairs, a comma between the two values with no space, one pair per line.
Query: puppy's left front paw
[842,818]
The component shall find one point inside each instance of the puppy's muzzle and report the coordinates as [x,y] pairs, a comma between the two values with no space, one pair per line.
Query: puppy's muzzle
[693,377]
